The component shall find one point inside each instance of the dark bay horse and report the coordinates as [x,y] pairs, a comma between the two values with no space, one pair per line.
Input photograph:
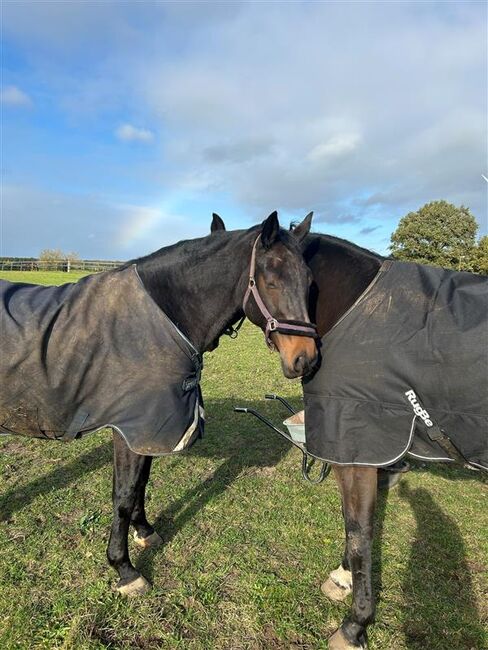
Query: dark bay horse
[342,271]
[204,286]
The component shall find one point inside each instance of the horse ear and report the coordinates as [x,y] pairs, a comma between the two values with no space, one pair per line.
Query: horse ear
[271,230]
[302,230]
[217,223]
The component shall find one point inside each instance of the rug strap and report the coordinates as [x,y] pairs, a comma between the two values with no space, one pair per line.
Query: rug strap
[76,425]
[436,434]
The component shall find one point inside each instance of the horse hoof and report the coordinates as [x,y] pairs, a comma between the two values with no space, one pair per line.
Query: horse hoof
[339,642]
[338,585]
[333,591]
[151,541]
[137,587]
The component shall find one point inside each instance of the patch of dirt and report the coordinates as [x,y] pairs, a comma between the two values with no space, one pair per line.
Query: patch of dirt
[476,567]
[265,471]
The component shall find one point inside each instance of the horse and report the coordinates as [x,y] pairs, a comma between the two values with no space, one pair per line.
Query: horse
[343,273]
[444,313]
[197,289]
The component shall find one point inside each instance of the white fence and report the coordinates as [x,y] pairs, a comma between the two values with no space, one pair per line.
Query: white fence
[56,265]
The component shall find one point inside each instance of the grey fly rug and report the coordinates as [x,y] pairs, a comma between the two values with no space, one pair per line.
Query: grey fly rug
[97,353]
[405,370]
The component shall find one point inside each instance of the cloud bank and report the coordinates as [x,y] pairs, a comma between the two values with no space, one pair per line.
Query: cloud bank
[359,111]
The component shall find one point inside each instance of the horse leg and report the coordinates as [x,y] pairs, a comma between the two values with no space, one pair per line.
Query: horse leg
[144,534]
[127,480]
[358,488]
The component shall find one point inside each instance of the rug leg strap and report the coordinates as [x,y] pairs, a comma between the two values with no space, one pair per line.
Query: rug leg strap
[76,425]
[436,434]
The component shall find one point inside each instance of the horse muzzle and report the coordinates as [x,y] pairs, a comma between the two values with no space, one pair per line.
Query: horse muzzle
[299,354]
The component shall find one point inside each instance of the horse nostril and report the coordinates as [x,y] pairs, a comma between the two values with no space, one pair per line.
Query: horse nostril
[304,364]
[300,363]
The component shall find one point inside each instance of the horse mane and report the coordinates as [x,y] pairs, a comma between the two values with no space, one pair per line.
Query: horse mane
[348,246]
[161,255]
[342,271]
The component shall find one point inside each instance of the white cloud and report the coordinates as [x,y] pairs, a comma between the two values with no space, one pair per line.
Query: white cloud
[383,110]
[350,109]
[130,133]
[13,96]
[337,145]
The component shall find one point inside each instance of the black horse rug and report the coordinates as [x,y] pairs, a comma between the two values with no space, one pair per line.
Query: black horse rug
[405,370]
[97,353]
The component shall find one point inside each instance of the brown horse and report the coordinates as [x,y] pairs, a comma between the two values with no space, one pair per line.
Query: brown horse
[201,287]
[390,326]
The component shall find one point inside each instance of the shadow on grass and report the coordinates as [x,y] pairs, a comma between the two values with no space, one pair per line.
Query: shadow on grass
[239,440]
[449,471]
[438,589]
[242,442]
[64,474]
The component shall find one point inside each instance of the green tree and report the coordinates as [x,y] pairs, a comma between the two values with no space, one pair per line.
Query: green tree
[439,233]
[479,261]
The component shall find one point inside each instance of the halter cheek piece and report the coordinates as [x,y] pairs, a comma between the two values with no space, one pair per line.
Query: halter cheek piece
[293,327]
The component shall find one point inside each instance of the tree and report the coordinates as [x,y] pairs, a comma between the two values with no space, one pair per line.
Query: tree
[72,257]
[479,261]
[439,233]
[54,258]
[52,255]
[57,255]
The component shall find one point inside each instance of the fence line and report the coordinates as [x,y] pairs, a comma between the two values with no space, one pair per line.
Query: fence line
[57,265]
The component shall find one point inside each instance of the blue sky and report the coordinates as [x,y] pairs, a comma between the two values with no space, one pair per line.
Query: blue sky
[125,125]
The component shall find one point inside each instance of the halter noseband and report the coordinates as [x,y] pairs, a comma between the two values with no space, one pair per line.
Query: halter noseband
[293,327]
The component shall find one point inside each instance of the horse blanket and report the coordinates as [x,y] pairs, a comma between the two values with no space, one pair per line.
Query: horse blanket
[406,366]
[93,354]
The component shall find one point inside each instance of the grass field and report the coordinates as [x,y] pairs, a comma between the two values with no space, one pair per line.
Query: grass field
[42,277]
[247,542]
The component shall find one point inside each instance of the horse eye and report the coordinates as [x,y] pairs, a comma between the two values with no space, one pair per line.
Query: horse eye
[271,285]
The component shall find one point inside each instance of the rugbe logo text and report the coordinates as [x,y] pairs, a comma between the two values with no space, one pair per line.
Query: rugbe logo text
[417,409]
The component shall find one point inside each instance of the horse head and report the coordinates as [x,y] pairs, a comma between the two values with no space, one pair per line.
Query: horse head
[277,294]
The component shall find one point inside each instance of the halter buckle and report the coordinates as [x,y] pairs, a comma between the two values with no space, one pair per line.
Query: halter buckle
[272,325]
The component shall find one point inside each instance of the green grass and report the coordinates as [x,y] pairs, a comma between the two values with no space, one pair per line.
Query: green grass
[42,277]
[248,543]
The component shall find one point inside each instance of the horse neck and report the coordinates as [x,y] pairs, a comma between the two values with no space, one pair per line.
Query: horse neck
[200,284]
[341,271]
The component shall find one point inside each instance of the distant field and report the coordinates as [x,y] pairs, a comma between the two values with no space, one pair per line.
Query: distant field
[247,542]
[42,277]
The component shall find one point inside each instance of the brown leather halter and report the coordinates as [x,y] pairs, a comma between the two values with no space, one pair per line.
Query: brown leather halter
[292,327]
